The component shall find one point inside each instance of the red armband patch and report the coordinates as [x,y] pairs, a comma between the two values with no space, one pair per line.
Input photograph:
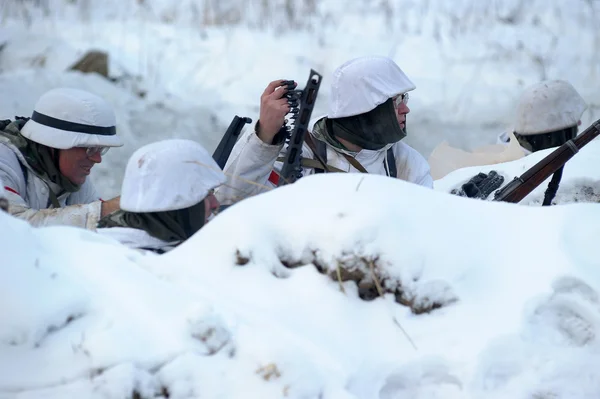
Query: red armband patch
[11,190]
[274,177]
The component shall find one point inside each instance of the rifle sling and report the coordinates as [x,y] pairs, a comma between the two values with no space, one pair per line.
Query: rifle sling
[314,164]
[355,163]
[552,187]
[308,139]
[319,163]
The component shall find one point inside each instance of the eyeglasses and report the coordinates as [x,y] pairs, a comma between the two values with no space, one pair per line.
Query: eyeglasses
[401,99]
[91,151]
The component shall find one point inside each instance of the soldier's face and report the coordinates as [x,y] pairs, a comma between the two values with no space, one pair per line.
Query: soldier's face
[401,104]
[76,165]
[211,204]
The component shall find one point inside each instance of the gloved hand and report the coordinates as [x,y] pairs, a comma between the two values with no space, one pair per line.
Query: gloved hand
[480,186]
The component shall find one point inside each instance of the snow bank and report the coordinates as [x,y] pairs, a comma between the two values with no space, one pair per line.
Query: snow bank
[80,318]
[280,296]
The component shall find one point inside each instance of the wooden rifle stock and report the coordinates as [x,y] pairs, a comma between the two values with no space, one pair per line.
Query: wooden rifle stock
[521,186]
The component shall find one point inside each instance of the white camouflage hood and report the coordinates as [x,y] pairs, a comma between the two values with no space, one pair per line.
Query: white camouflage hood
[168,175]
[361,84]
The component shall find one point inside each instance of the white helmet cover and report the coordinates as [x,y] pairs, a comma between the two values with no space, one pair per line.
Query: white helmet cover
[361,84]
[548,106]
[169,175]
[66,118]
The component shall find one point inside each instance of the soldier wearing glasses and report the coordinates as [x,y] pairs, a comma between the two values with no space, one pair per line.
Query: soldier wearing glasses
[362,132]
[45,159]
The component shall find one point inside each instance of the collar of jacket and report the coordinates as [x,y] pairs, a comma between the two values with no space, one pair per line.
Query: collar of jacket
[320,132]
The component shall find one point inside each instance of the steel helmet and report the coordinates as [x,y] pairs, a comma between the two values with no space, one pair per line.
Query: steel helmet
[65,118]
[548,106]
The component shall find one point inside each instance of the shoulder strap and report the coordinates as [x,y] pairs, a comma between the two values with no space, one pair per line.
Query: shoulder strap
[354,163]
[321,155]
[391,163]
[319,149]
[314,164]
[24,170]
[390,159]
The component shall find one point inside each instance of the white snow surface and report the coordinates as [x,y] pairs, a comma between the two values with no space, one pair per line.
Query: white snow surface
[222,317]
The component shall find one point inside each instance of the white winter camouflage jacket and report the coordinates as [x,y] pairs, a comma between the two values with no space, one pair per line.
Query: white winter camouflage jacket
[252,161]
[29,197]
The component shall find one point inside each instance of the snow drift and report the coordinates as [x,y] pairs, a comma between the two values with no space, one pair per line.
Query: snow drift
[280,296]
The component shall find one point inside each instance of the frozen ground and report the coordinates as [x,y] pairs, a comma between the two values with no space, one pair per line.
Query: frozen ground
[480,300]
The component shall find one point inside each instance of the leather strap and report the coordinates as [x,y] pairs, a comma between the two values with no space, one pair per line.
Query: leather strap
[319,163]
[355,163]
[314,164]
[391,163]
[308,139]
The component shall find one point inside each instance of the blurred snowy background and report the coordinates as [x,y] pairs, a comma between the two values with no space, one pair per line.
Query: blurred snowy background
[185,68]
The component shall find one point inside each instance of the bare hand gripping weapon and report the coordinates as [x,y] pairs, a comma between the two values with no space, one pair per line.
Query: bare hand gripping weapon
[292,168]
